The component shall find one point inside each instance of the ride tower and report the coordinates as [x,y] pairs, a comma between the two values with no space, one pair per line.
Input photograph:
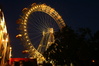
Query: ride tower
[5,48]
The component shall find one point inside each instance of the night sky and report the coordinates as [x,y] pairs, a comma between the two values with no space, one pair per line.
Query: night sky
[75,13]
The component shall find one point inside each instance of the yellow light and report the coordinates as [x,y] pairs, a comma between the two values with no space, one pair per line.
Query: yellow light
[25,17]
[59,17]
[43,5]
[24,9]
[26,14]
[0,57]
[93,61]
[27,40]
[25,33]
[43,33]
[19,35]
[31,9]
[29,12]
[40,45]
[50,30]
[2,40]
[33,4]
[10,48]
[25,20]
[32,49]
[6,39]
[49,42]
[25,23]
[26,36]
[30,46]
[24,29]
[24,26]
[29,43]
[31,58]
[35,7]
[51,10]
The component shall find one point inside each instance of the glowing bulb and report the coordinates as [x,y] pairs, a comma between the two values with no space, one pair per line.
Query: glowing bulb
[93,61]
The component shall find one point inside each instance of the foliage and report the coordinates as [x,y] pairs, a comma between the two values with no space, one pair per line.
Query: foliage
[71,46]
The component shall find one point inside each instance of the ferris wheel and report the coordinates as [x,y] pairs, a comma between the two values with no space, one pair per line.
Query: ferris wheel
[37,26]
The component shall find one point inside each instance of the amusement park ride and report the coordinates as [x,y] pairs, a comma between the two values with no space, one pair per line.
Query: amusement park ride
[5,48]
[37,26]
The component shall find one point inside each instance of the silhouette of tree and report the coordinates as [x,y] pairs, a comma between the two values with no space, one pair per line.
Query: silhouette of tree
[75,47]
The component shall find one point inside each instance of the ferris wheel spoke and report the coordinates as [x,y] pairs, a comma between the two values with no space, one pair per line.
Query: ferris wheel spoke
[34,29]
[51,22]
[41,25]
[45,20]
[35,33]
[33,21]
[35,42]
[42,21]
[34,37]
[34,25]
[53,25]
[46,26]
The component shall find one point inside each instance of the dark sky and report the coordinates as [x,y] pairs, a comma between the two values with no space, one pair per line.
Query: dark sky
[76,14]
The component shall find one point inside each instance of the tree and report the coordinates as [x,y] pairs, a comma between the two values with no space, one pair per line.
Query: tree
[74,47]
[63,50]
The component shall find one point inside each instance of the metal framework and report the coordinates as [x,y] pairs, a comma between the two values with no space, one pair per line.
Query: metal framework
[37,53]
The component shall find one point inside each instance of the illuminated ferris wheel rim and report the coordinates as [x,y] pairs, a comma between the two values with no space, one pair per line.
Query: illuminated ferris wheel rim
[35,8]
[46,9]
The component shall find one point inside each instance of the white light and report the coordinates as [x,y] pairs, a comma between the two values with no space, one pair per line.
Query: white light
[10,48]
